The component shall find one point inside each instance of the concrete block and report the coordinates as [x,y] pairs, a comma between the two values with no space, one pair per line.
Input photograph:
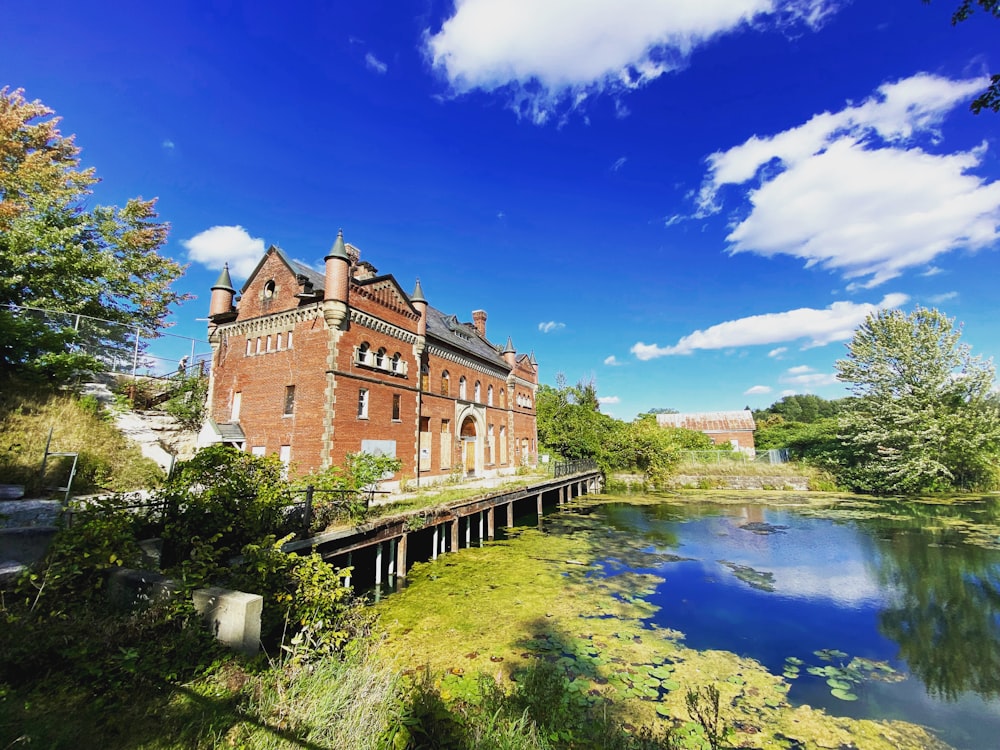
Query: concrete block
[130,589]
[233,616]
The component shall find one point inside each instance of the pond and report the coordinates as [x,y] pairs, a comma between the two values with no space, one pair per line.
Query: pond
[822,620]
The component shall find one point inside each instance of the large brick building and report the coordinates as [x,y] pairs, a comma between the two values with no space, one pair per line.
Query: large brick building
[312,366]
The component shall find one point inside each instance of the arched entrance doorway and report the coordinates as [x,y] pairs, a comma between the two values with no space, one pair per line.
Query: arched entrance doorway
[468,440]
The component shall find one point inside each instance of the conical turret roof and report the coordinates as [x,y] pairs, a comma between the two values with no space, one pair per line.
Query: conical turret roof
[418,293]
[338,250]
[224,282]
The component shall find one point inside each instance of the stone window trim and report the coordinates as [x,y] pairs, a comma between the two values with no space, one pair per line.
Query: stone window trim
[378,361]
[363,403]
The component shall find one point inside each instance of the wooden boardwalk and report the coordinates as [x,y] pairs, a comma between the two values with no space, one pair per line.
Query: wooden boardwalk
[380,551]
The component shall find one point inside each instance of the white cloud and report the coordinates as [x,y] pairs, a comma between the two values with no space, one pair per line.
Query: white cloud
[550,326]
[776,353]
[609,400]
[550,55]
[850,192]
[932,271]
[612,362]
[937,299]
[757,390]
[818,327]
[806,377]
[375,64]
[168,144]
[619,163]
[219,245]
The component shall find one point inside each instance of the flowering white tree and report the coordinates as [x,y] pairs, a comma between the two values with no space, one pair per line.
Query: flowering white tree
[924,416]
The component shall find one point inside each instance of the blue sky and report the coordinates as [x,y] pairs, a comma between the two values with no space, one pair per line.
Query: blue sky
[692,203]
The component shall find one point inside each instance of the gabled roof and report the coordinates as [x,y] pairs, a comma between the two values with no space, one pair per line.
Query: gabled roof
[387,281]
[709,421]
[309,275]
[447,330]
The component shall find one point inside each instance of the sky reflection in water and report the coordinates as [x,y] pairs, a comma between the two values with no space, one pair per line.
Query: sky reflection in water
[905,590]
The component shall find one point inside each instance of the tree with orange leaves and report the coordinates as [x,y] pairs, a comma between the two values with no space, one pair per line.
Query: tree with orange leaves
[57,253]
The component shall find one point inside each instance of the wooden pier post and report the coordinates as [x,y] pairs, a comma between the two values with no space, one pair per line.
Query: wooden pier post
[510,514]
[491,522]
[401,557]
[454,536]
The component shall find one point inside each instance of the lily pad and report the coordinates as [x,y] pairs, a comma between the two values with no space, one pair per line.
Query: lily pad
[844,695]
[838,684]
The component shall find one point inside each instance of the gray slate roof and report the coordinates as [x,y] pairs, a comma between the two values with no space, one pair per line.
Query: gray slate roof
[448,331]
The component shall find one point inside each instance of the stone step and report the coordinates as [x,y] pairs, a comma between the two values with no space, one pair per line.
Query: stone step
[29,513]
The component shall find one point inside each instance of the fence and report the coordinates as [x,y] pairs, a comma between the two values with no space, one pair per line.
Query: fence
[772,456]
[565,468]
[121,347]
[302,510]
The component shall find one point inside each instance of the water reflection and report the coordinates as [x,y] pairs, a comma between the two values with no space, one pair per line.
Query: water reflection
[914,585]
[946,612]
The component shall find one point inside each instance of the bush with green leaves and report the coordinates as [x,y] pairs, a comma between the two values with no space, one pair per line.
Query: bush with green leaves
[187,405]
[227,496]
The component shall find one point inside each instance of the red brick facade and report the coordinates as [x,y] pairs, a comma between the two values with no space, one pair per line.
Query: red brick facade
[313,377]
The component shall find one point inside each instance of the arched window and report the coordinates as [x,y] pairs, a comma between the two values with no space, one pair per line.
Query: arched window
[478,391]
[503,396]
[425,377]
[445,383]
[489,395]
[461,388]
[394,365]
[363,353]
[380,357]
[269,289]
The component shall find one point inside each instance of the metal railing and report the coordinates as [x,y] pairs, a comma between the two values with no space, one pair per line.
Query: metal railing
[565,468]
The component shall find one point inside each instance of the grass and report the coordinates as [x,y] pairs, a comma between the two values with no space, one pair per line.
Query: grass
[107,460]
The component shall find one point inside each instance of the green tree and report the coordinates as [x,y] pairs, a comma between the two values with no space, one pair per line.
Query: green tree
[923,417]
[799,407]
[569,419]
[58,254]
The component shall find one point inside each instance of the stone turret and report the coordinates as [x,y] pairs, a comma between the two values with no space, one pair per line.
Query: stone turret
[221,308]
[338,278]
[419,302]
[510,354]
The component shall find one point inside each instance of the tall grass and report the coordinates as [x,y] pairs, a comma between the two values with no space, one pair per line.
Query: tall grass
[107,461]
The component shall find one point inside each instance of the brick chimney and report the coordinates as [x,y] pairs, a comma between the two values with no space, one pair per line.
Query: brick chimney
[479,321]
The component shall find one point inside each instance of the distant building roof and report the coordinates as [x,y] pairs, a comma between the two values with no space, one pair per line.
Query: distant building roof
[710,421]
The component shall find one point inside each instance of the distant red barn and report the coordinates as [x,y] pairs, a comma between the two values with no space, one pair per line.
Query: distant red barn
[733,427]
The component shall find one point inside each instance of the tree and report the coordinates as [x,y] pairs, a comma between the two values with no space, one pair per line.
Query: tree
[569,419]
[989,99]
[58,254]
[923,417]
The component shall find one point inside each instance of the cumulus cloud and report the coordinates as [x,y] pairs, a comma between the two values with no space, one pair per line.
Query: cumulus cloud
[550,326]
[226,244]
[818,327]
[757,390]
[544,56]
[375,64]
[776,353]
[609,400]
[611,361]
[851,192]
[806,377]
